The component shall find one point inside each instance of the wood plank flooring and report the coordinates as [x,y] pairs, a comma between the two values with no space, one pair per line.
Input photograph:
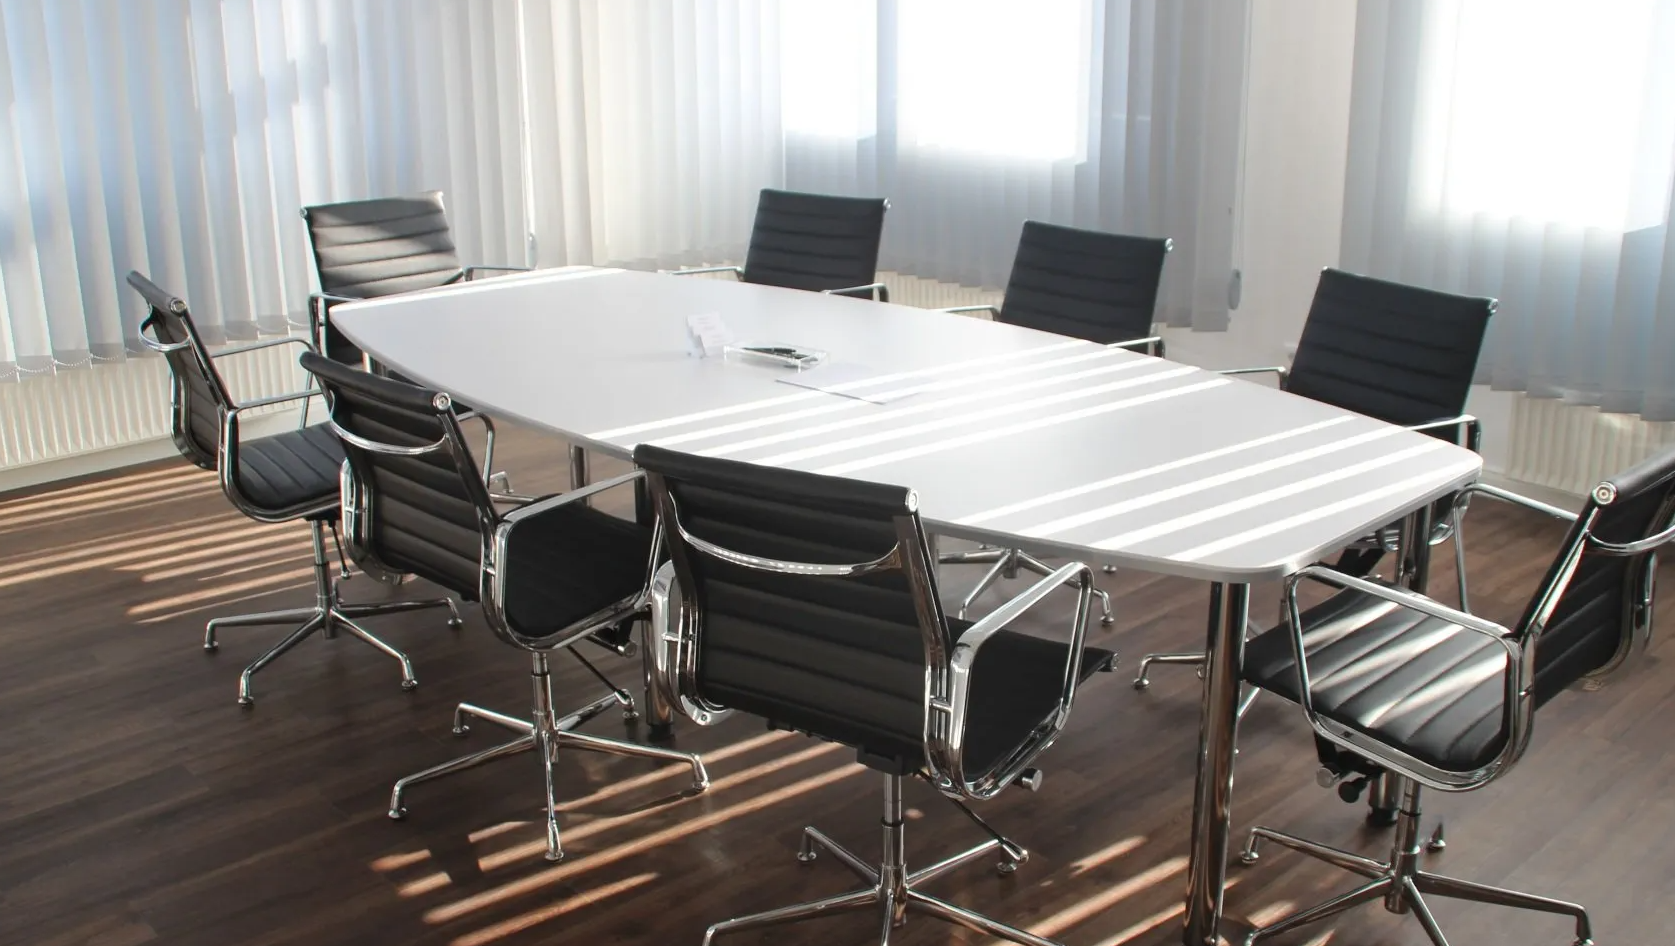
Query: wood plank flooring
[140,804]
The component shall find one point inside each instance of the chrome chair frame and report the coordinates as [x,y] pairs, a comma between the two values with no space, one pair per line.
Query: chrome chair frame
[1469,435]
[890,887]
[1399,881]
[329,612]
[878,291]
[545,732]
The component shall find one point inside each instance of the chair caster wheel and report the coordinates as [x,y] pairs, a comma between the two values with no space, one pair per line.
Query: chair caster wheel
[1006,868]
[807,857]
[455,622]
[211,647]
[1248,857]
[409,686]
[462,730]
[1141,683]
[398,814]
[246,702]
[1107,621]
[630,714]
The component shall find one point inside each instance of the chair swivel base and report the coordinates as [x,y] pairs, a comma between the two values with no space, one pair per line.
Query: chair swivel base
[891,888]
[1005,563]
[328,615]
[546,733]
[1399,882]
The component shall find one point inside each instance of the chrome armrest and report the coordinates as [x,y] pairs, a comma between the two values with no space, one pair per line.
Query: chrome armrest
[472,271]
[576,495]
[1152,343]
[877,291]
[265,343]
[1507,496]
[243,406]
[735,270]
[1281,371]
[993,310]
[949,773]
[1465,424]
[1515,704]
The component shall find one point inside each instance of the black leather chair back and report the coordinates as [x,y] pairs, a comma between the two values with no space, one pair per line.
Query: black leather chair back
[843,658]
[198,396]
[379,247]
[1401,354]
[427,513]
[1083,283]
[814,241]
[1595,600]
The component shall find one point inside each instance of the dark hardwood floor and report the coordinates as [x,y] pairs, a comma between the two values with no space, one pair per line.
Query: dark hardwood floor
[140,804]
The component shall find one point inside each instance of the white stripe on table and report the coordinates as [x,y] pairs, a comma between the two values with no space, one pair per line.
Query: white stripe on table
[810,395]
[988,392]
[1034,424]
[1254,500]
[839,405]
[1097,485]
[955,420]
[1154,497]
[1316,514]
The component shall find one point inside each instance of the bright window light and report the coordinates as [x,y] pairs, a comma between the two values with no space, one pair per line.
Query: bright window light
[999,77]
[1544,109]
[829,67]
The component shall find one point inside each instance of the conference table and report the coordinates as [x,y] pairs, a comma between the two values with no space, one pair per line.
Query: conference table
[1010,436]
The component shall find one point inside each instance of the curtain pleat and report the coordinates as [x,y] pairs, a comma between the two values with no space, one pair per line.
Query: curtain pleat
[180,138]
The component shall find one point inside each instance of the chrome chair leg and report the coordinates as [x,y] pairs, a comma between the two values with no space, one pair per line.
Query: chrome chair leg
[326,616]
[892,887]
[1004,563]
[546,733]
[1143,679]
[1399,882]
[984,584]
[1106,616]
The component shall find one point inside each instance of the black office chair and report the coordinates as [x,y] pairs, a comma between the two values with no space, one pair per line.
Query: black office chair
[1398,353]
[1441,698]
[550,575]
[811,601]
[816,242]
[1086,284]
[385,246]
[280,478]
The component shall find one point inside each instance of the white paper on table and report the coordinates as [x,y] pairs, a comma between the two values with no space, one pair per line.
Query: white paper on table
[707,335]
[842,379]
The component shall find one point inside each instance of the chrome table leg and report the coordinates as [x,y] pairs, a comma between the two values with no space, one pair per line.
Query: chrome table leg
[1212,811]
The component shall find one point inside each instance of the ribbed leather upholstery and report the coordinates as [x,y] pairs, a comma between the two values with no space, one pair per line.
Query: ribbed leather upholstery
[1435,690]
[1399,353]
[431,515]
[839,658]
[200,397]
[294,469]
[424,513]
[1101,287]
[380,247]
[814,241]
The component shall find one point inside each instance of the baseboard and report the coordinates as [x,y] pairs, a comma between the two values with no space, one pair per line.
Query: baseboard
[132,454]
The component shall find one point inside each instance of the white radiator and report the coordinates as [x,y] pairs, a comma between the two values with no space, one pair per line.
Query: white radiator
[1569,448]
[86,410]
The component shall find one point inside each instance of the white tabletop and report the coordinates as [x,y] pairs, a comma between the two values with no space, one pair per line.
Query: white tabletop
[1010,436]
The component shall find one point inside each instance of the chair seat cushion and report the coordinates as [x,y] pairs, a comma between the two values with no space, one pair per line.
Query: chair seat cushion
[292,471]
[570,562]
[1428,687]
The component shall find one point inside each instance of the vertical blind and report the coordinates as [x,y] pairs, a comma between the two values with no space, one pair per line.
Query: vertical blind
[1476,164]
[180,137]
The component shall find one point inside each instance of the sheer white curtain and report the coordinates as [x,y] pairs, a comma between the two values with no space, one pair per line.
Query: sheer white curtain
[652,126]
[974,115]
[180,138]
[1525,149]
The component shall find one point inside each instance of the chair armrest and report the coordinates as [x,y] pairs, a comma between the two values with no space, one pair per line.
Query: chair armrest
[1281,371]
[968,648]
[266,343]
[993,310]
[876,291]
[735,270]
[1152,343]
[576,495]
[1515,705]
[243,406]
[472,271]
[1507,496]
[1465,424]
